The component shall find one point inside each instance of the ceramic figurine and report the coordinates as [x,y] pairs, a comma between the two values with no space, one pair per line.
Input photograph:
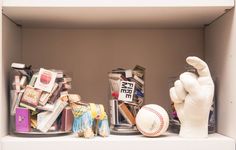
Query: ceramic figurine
[89,119]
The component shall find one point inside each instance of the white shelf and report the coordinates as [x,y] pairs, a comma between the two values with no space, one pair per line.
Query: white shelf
[167,142]
[115,14]
[115,3]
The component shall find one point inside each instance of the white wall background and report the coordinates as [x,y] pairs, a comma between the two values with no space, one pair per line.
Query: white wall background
[88,55]
[221,56]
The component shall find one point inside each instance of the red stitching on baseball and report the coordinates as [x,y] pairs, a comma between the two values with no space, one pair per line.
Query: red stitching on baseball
[161,120]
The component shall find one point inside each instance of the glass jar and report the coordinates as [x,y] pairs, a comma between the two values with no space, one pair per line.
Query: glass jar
[35,104]
[125,99]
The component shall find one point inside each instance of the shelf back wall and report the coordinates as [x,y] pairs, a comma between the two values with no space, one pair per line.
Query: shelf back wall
[89,54]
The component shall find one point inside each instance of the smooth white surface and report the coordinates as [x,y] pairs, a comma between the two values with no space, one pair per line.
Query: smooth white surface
[114,17]
[221,57]
[115,14]
[168,142]
[119,3]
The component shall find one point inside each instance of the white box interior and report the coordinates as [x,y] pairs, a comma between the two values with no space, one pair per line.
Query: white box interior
[88,54]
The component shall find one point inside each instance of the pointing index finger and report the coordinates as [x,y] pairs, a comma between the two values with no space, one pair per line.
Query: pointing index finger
[200,65]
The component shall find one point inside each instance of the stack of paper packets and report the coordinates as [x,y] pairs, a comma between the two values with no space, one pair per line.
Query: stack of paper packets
[127,96]
[36,100]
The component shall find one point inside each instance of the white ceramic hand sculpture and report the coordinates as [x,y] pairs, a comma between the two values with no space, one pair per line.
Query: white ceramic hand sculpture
[193,96]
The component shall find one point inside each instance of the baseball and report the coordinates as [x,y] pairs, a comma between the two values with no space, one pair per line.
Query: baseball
[152,120]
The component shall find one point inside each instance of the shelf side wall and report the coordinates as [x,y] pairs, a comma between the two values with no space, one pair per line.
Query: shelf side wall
[11,52]
[221,56]
[89,54]
[1,114]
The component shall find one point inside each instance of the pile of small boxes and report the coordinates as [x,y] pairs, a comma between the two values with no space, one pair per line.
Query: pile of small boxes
[36,100]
